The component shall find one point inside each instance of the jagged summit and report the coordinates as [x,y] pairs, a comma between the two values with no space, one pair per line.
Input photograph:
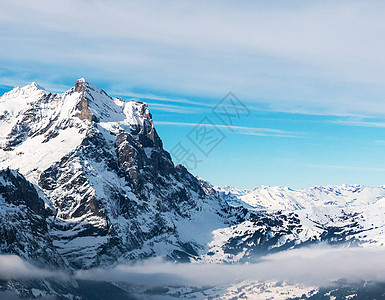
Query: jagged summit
[31,117]
[82,85]
[90,100]
[84,100]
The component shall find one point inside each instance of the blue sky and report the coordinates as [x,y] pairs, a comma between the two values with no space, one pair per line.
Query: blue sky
[311,73]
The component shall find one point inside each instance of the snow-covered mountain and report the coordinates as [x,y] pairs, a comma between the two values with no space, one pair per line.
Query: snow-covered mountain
[112,190]
[353,214]
[85,182]
[283,198]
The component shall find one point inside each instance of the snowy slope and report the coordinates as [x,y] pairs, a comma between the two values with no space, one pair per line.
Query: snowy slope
[350,214]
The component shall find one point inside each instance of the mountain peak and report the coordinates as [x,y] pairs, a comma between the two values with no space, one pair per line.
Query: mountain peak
[30,116]
[28,89]
[34,85]
[82,85]
[96,105]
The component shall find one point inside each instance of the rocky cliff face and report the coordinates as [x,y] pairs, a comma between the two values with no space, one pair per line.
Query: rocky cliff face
[24,229]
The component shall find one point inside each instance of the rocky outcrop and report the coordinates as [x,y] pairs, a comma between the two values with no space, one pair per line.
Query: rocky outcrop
[84,111]
[24,225]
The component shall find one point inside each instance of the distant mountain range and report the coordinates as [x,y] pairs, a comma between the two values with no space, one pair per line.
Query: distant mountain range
[85,183]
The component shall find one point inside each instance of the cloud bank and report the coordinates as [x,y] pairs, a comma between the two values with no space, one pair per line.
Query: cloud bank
[13,267]
[318,266]
[315,266]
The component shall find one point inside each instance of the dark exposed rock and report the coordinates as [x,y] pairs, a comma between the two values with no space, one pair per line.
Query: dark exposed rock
[24,228]
[18,191]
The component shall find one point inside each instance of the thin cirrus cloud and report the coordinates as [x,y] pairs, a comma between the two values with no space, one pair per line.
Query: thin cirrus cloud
[256,131]
[153,97]
[323,57]
[172,108]
[360,123]
[357,168]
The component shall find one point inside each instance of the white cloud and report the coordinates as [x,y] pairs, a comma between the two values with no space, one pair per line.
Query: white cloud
[316,56]
[313,266]
[13,267]
[319,266]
